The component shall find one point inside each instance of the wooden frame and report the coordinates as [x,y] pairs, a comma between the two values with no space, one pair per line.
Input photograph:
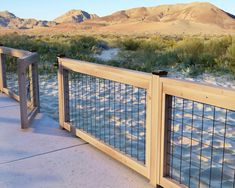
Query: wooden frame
[3,82]
[192,91]
[159,96]
[25,60]
[125,76]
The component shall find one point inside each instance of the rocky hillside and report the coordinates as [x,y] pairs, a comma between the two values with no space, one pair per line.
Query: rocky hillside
[9,20]
[203,13]
[75,16]
[192,18]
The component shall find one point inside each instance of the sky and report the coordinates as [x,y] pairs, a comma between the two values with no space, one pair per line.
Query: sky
[50,9]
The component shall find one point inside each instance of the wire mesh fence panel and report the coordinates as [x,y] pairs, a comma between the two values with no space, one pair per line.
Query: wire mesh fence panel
[201,144]
[11,74]
[19,80]
[29,88]
[12,80]
[112,112]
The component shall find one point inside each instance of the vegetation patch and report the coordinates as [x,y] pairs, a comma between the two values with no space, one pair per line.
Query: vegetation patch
[191,55]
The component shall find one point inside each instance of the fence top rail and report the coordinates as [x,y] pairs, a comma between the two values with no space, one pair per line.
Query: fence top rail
[122,75]
[28,60]
[200,92]
[200,86]
[14,52]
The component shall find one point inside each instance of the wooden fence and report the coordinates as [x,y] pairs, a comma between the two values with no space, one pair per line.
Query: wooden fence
[175,133]
[27,90]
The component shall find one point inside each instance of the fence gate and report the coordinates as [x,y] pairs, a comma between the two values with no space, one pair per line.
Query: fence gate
[108,107]
[19,80]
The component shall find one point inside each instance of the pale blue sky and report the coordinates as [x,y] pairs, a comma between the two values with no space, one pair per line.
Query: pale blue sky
[50,9]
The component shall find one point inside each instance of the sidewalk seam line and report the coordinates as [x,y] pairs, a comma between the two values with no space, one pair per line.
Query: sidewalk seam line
[41,154]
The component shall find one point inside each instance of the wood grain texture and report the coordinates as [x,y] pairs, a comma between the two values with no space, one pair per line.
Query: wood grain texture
[135,78]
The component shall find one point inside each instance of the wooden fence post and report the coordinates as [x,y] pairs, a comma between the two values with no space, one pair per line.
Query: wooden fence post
[156,127]
[60,93]
[63,94]
[3,82]
[35,83]
[22,93]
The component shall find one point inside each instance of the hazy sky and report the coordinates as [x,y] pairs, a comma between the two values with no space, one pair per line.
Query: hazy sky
[50,9]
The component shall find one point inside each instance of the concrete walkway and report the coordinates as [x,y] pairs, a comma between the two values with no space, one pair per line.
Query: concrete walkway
[45,156]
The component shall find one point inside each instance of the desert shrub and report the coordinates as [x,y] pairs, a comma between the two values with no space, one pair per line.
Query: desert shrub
[157,43]
[217,47]
[130,44]
[192,55]
[231,51]
[193,47]
[231,56]
[189,52]
[152,46]
[167,60]
[48,47]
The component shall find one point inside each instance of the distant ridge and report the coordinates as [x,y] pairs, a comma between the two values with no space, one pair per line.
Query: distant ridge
[231,15]
[198,12]
[75,16]
[9,20]
[191,18]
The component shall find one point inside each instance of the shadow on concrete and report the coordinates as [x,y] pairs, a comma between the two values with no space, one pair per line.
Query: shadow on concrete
[9,120]
[46,125]
[17,179]
[8,106]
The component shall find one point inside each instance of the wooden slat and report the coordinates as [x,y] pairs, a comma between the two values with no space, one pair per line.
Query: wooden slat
[22,95]
[156,130]
[61,94]
[32,115]
[135,78]
[154,124]
[148,128]
[109,150]
[167,182]
[15,96]
[3,83]
[28,60]
[35,83]
[216,96]
[11,94]
[14,52]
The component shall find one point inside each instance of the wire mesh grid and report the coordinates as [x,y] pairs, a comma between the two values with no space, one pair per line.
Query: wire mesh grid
[29,88]
[12,80]
[11,74]
[112,112]
[201,144]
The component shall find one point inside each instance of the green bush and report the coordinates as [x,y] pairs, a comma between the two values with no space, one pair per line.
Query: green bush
[191,55]
[130,44]
[49,47]
[231,56]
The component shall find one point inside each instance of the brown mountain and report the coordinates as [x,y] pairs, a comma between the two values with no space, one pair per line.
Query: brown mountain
[192,18]
[9,20]
[75,16]
[199,12]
